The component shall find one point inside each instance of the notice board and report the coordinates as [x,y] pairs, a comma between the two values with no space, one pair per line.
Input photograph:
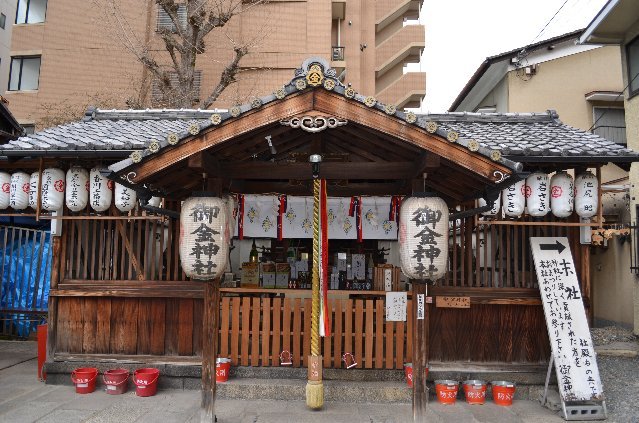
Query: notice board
[570,340]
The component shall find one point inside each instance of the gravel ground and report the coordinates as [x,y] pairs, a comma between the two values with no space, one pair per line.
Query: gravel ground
[620,375]
[610,334]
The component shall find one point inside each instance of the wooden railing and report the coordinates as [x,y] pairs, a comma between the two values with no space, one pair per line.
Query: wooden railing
[255,331]
[482,254]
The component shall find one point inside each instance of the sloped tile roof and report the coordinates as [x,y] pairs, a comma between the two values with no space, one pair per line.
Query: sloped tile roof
[524,136]
[510,139]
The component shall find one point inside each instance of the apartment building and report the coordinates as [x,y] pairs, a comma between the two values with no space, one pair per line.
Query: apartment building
[70,53]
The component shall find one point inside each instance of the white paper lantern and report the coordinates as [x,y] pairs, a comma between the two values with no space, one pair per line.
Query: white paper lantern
[586,195]
[52,189]
[537,199]
[100,191]
[34,189]
[204,237]
[5,188]
[423,237]
[155,201]
[125,198]
[515,199]
[496,205]
[19,191]
[77,195]
[561,194]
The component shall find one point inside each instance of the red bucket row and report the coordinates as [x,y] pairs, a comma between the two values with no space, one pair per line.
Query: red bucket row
[116,380]
[475,391]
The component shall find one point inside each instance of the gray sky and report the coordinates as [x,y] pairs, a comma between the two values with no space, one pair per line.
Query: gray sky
[460,34]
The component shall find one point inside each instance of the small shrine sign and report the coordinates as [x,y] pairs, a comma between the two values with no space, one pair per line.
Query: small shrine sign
[570,341]
[396,306]
[452,302]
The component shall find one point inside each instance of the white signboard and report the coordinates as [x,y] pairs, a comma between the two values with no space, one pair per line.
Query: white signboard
[396,306]
[572,347]
[420,306]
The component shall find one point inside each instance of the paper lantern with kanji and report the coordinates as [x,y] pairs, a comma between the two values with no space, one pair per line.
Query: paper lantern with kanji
[514,198]
[496,205]
[100,191]
[537,198]
[19,191]
[125,198]
[586,194]
[204,237]
[77,195]
[423,237]
[34,189]
[561,194]
[5,188]
[52,189]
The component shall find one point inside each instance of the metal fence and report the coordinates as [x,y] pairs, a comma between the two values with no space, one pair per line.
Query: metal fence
[25,267]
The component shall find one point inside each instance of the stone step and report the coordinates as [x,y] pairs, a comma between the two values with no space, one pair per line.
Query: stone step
[295,390]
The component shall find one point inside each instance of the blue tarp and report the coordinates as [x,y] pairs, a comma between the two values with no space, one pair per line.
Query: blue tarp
[26,276]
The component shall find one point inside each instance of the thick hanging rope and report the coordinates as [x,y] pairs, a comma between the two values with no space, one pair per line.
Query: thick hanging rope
[315,349]
[315,388]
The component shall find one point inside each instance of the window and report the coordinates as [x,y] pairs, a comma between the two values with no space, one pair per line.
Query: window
[632,55]
[157,97]
[165,22]
[3,20]
[24,73]
[29,128]
[31,11]
[610,123]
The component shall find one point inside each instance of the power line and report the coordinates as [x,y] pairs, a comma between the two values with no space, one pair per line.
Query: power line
[551,19]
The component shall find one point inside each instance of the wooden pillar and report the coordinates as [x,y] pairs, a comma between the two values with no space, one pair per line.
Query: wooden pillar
[52,324]
[210,331]
[585,281]
[420,351]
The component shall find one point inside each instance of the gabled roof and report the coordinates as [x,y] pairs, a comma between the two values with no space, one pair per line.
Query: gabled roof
[494,68]
[506,139]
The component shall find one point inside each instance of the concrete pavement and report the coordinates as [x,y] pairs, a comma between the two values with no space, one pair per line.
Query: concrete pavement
[24,399]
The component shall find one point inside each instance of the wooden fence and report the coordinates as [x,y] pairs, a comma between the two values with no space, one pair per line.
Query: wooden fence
[254,331]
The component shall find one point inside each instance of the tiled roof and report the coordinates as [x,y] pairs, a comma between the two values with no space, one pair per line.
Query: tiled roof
[113,130]
[510,139]
[524,136]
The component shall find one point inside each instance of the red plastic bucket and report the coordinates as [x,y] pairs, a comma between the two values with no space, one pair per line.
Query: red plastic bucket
[116,381]
[475,391]
[84,379]
[222,369]
[503,392]
[408,372]
[146,381]
[446,391]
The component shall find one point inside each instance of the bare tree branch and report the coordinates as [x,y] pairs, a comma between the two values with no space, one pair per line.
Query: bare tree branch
[228,76]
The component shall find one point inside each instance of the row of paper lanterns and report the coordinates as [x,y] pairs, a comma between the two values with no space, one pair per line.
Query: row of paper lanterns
[539,195]
[78,186]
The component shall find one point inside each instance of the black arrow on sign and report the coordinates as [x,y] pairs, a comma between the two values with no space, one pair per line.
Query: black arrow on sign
[557,246]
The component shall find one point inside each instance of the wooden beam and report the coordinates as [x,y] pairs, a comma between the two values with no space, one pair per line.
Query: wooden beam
[426,163]
[261,187]
[204,162]
[250,122]
[328,170]
[339,106]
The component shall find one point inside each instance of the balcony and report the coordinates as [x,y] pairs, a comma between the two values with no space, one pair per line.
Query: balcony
[337,59]
[405,92]
[405,46]
[387,11]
